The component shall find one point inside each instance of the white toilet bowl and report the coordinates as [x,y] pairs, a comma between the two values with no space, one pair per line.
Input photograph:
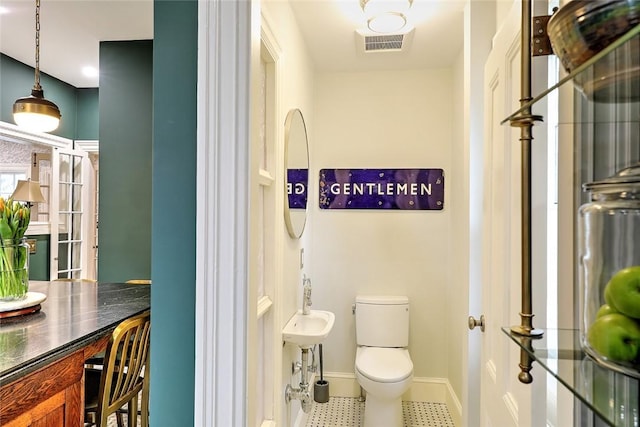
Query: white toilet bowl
[385,374]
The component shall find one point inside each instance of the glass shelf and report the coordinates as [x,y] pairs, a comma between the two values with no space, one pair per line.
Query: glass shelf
[600,78]
[611,395]
[605,116]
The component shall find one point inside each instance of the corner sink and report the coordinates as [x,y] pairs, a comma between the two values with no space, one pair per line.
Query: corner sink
[306,330]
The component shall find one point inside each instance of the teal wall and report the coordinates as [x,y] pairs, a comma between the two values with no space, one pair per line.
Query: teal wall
[125,161]
[39,262]
[175,47]
[79,108]
[125,127]
[16,81]
[87,113]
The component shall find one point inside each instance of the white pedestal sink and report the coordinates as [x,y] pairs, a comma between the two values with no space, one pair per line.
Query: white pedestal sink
[307,330]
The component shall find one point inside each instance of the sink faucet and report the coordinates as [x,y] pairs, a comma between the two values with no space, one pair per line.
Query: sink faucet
[306,298]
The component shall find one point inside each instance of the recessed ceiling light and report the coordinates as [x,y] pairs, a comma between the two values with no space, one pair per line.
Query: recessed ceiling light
[90,71]
[4,10]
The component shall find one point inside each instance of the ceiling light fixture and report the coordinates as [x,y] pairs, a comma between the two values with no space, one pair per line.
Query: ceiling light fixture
[376,7]
[386,16]
[388,22]
[34,112]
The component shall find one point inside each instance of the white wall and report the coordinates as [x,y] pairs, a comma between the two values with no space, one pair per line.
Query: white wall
[392,119]
[457,292]
[294,89]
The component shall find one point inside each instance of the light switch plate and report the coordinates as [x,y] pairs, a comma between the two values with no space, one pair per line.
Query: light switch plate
[32,245]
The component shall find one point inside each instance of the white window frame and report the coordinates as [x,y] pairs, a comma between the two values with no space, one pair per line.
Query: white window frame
[14,169]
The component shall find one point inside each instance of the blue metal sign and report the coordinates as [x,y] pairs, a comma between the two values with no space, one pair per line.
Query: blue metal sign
[406,189]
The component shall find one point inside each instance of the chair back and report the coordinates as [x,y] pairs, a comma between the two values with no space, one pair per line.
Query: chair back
[125,359]
[139,282]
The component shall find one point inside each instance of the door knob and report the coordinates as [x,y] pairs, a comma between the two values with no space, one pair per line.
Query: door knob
[473,322]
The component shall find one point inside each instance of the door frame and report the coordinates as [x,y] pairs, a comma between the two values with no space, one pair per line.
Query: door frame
[222,210]
[477,44]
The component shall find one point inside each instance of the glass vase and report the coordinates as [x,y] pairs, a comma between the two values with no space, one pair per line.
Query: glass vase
[14,269]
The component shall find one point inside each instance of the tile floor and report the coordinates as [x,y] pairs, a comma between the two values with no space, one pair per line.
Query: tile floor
[348,412]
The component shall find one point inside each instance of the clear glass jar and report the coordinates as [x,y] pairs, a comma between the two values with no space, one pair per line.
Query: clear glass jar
[609,271]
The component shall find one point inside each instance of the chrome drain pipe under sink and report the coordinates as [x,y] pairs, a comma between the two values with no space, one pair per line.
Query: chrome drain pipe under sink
[302,392]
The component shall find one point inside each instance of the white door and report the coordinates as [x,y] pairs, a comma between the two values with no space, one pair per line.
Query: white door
[70,201]
[504,401]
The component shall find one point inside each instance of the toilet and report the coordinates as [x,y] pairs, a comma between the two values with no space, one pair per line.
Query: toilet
[383,366]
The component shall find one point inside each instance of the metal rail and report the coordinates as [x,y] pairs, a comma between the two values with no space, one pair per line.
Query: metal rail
[525,121]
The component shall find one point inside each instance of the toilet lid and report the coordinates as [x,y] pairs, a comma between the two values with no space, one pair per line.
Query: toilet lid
[385,365]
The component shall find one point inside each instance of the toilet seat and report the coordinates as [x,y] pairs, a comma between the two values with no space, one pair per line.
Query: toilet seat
[384,365]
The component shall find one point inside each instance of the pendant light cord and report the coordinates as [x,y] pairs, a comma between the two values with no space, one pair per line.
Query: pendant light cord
[36,85]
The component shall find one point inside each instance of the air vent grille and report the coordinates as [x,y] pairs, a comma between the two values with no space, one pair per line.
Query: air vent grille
[383,43]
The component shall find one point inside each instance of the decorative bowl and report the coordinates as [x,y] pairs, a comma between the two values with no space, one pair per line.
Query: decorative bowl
[580,29]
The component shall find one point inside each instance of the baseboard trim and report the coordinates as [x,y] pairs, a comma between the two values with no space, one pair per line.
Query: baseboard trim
[423,389]
[342,385]
[301,419]
[454,405]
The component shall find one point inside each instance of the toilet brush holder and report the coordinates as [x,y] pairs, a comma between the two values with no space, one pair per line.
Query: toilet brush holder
[321,391]
[321,387]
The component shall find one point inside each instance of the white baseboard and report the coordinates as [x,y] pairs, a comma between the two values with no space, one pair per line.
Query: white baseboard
[454,406]
[423,389]
[301,419]
[342,385]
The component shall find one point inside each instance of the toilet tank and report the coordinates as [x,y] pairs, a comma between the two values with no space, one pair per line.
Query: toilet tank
[382,321]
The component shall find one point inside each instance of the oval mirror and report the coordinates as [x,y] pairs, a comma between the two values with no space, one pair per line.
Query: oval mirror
[296,163]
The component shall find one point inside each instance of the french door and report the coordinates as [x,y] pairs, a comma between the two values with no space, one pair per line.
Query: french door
[70,222]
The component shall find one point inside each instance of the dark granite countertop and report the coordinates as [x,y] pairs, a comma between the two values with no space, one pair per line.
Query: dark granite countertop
[73,315]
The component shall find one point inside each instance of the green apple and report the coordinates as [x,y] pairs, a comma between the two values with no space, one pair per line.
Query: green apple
[623,291]
[616,337]
[606,309]
[607,295]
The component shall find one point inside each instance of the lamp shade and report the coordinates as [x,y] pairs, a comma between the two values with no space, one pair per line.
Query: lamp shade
[35,113]
[28,191]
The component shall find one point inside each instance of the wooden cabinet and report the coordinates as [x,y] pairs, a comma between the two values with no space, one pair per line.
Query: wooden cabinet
[51,396]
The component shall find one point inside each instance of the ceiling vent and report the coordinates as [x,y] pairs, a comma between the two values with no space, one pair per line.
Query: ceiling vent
[386,42]
[370,43]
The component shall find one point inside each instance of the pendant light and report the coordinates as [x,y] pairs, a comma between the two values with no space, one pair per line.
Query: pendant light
[35,113]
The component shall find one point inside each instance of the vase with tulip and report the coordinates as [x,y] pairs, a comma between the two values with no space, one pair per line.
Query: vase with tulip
[14,252]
